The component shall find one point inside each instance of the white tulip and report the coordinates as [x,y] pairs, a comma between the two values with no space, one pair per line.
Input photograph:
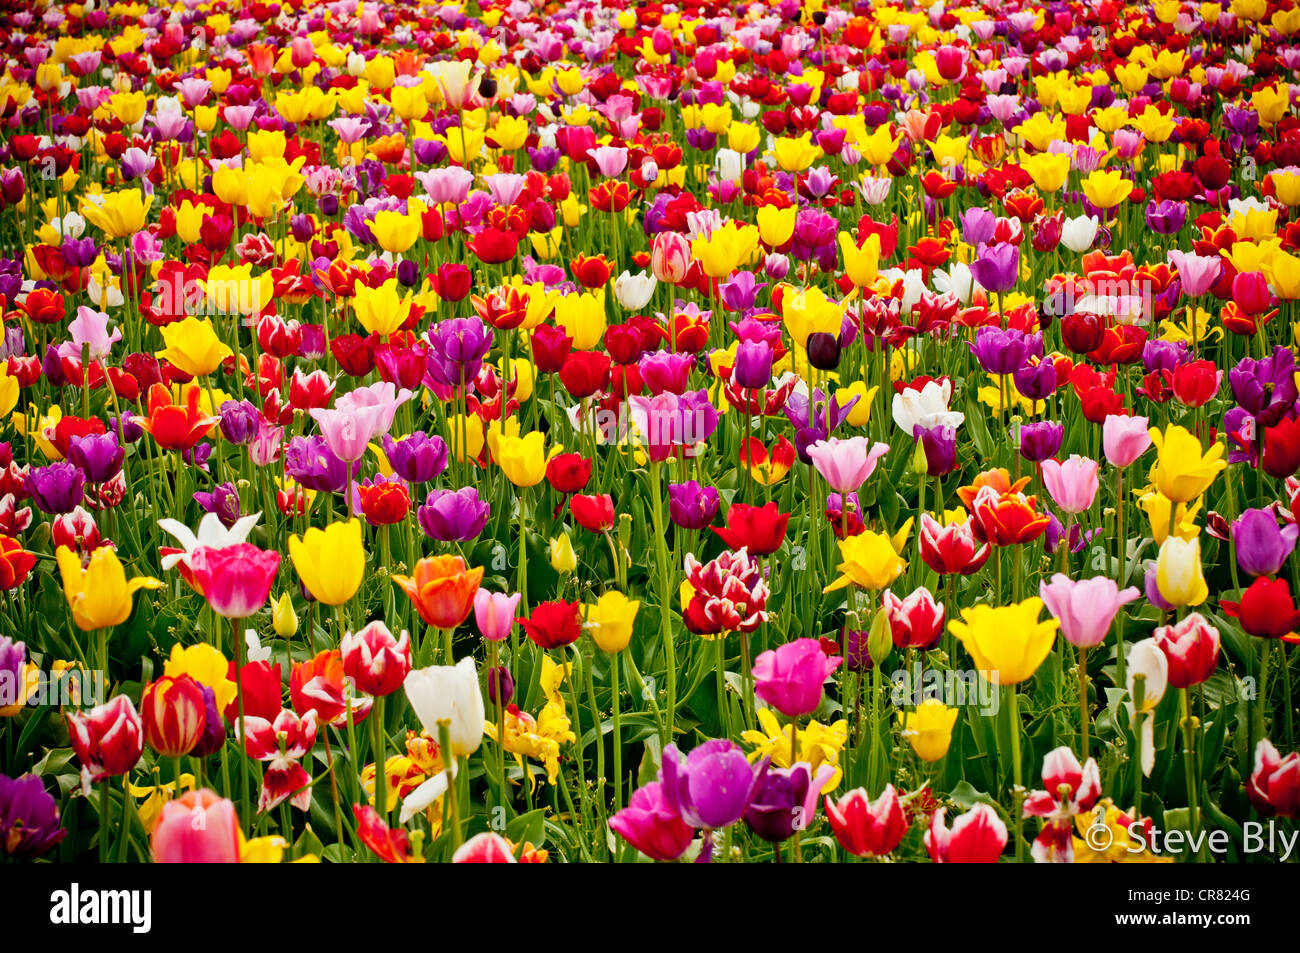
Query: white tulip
[1077,234]
[449,693]
[1147,660]
[927,407]
[633,292]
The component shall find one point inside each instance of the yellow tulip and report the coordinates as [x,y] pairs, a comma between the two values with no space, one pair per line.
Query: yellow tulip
[394,231]
[521,459]
[1286,186]
[726,248]
[284,620]
[878,147]
[796,154]
[868,561]
[8,393]
[1178,572]
[776,225]
[1106,189]
[808,310]
[610,621]
[193,346]
[860,413]
[1007,644]
[929,729]
[1181,472]
[99,594]
[561,554]
[861,264]
[230,185]
[120,214]
[331,561]
[1048,170]
[382,310]
[206,665]
[582,316]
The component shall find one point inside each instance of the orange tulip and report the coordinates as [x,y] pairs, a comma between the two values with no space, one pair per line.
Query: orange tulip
[997,478]
[442,590]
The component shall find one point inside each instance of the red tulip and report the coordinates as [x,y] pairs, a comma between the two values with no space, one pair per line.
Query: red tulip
[953,548]
[550,348]
[376,661]
[1192,649]
[594,512]
[865,828]
[1282,448]
[1265,609]
[174,715]
[1274,785]
[263,691]
[760,529]
[976,837]
[568,472]
[1196,382]
[554,624]
[584,373]
[108,740]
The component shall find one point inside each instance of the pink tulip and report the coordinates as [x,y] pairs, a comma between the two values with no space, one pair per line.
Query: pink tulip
[199,827]
[236,580]
[1086,607]
[846,464]
[494,614]
[1073,484]
[670,257]
[1196,273]
[790,677]
[1124,439]
[610,160]
[485,848]
[359,417]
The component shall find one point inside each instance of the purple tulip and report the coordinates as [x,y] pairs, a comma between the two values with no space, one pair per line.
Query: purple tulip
[785,800]
[57,488]
[977,226]
[223,500]
[753,367]
[417,457]
[240,422]
[1036,381]
[1005,351]
[98,455]
[1265,388]
[457,347]
[29,817]
[712,786]
[453,516]
[692,506]
[1040,440]
[997,267]
[1262,547]
[310,462]
[13,665]
[939,443]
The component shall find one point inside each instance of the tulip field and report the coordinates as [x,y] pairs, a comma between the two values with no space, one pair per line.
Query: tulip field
[524,431]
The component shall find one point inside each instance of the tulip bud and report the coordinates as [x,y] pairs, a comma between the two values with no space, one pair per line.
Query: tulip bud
[500,675]
[284,620]
[881,640]
[563,558]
